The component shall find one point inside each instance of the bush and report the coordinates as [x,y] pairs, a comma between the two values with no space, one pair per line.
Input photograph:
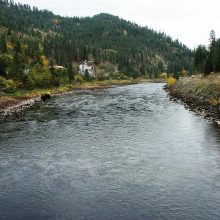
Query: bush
[171,81]
[213,101]
[184,73]
[38,77]
[2,83]
[87,76]
[78,78]
[163,75]
[101,74]
[60,77]
[10,86]
[29,82]
[108,67]
[5,62]
[119,76]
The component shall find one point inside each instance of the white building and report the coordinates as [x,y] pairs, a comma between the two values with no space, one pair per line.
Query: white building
[58,67]
[87,66]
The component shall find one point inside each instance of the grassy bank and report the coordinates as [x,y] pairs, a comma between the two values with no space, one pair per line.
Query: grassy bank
[200,94]
[20,97]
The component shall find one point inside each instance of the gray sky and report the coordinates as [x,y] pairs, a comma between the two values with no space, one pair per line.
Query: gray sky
[190,21]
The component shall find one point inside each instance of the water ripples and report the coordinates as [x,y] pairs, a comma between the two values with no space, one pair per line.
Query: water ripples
[120,153]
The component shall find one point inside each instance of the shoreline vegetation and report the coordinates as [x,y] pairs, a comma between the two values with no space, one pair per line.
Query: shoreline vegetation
[39,49]
[66,54]
[199,94]
[21,99]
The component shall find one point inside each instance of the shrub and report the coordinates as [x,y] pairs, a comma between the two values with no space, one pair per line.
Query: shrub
[78,78]
[171,81]
[29,82]
[108,67]
[163,75]
[119,76]
[5,62]
[213,101]
[10,86]
[2,83]
[38,77]
[101,74]
[87,76]
[184,73]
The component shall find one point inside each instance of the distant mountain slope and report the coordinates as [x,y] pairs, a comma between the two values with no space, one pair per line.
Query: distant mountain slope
[103,37]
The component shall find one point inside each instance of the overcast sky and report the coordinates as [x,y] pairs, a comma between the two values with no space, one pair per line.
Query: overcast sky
[190,21]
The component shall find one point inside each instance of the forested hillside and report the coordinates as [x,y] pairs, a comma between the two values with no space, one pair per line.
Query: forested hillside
[32,41]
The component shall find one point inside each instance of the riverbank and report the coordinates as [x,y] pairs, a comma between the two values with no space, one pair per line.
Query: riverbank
[201,95]
[21,99]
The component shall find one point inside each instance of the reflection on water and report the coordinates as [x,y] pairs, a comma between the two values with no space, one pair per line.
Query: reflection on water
[120,153]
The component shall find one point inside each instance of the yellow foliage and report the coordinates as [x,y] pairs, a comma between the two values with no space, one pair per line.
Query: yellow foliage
[62,89]
[171,81]
[44,60]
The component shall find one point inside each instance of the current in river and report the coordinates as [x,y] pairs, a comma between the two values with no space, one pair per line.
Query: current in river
[120,153]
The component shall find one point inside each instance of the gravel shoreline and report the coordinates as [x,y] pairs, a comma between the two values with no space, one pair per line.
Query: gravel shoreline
[19,106]
[199,105]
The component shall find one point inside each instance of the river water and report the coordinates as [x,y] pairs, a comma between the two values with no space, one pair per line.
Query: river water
[120,153]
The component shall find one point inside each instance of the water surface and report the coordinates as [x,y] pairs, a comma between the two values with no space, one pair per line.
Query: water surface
[120,153]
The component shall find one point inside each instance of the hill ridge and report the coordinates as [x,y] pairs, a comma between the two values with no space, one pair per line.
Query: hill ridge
[102,37]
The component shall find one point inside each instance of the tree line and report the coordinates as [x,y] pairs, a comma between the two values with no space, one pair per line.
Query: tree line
[207,59]
[33,41]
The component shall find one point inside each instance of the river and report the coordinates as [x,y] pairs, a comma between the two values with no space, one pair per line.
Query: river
[120,153]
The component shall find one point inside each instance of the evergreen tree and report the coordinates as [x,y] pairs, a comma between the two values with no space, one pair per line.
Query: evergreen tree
[3,44]
[5,63]
[70,72]
[124,44]
[207,61]
[51,67]
[200,58]
[208,65]
[17,47]
[210,60]
[17,67]
[211,39]
[31,34]
[216,58]
[87,76]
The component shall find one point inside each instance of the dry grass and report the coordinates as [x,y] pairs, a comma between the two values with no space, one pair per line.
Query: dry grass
[205,88]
